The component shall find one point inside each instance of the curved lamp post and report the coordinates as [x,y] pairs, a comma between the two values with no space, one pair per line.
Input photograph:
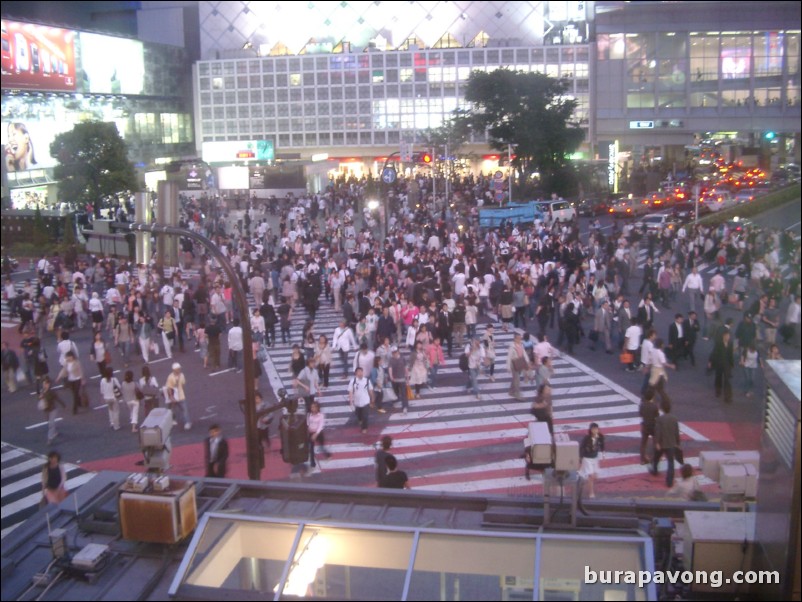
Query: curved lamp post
[254,452]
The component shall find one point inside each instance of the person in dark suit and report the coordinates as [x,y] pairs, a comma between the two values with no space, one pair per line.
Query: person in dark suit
[692,329]
[677,339]
[216,453]
[444,327]
[722,360]
[666,440]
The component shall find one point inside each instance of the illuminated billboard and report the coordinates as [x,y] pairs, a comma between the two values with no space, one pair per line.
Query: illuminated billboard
[111,65]
[26,144]
[36,57]
[243,150]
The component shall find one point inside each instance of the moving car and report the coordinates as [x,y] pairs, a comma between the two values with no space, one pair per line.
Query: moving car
[561,211]
[656,222]
[592,207]
[686,211]
[630,207]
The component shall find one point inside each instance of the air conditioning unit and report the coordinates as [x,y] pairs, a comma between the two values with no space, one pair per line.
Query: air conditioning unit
[566,455]
[539,443]
[710,461]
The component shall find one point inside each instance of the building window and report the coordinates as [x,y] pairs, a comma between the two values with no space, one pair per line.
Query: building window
[295,79]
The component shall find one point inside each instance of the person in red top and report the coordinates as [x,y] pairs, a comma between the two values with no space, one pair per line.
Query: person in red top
[436,359]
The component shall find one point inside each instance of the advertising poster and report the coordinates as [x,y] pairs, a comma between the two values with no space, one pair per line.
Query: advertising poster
[36,57]
[26,144]
[111,65]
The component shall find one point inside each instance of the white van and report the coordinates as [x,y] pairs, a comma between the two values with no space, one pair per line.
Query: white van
[561,211]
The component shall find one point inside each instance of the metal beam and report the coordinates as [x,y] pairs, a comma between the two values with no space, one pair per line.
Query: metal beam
[254,452]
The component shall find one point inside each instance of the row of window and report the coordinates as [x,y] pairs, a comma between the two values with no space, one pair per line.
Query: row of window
[419,75]
[725,99]
[362,138]
[328,62]
[364,94]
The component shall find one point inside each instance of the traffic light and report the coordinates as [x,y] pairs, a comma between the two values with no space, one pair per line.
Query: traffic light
[424,157]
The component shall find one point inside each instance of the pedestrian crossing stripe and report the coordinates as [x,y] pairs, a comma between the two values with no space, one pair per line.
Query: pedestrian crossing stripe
[21,475]
[449,423]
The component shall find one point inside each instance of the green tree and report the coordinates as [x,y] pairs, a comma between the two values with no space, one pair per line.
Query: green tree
[531,111]
[93,163]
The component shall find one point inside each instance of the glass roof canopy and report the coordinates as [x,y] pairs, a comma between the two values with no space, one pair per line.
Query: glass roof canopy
[248,557]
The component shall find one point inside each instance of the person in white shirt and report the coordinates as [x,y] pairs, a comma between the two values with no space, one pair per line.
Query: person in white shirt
[694,286]
[111,393]
[235,345]
[315,423]
[364,359]
[360,396]
[632,342]
[343,341]
[544,348]
[646,357]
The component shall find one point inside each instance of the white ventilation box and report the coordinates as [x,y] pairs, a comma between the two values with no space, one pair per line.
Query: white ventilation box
[566,455]
[156,428]
[710,461]
[539,443]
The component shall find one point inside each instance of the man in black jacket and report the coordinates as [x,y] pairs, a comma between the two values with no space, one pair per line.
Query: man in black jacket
[692,328]
[677,339]
[216,453]
[444,327]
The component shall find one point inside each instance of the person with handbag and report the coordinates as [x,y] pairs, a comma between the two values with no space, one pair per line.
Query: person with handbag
[54,480]
[658,377]
[48,403]
[99,353]
[175,386]
[111,393]
[169,329]
[517,364]
[74,374]
[149,388]
[397,369]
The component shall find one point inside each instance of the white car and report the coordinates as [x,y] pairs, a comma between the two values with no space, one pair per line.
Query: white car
[656,222]
[716,200]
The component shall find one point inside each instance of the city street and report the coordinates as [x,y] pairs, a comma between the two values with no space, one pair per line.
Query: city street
[449,440]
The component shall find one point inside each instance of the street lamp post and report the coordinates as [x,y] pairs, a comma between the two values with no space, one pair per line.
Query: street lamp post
[254,452]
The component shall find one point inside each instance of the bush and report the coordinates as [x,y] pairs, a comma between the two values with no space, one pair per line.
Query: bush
[759,205]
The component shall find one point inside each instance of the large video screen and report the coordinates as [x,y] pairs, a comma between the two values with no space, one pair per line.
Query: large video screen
[242,150]
[111,65]
[36,57]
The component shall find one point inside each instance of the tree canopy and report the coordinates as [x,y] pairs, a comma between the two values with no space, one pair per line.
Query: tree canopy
[529,110]
[93,163]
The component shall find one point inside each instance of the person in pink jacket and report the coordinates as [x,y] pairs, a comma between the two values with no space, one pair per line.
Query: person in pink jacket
[436,359]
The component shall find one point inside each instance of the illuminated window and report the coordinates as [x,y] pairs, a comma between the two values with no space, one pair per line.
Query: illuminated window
[295,79]
[217,83]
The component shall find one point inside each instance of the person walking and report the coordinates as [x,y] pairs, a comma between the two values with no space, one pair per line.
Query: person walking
[517,364]
[695,287]
[418,368]
[323,361]
[397,369]
[378,376]
[360,396]
[145,333]
[213,334]
[54,480]
[169,330]
[666,440]
[175,395]
[476,358]
[750,362]
[111,394]
[49,401]
[395,478]
[343,341]
[434,353]
[722,362]
[74,375]
[11,364]
[315,423]
[130,395]
[149,388]
[602,325]
[379,459]
[591,450]
[307,383]
[235,345]
[123,338]
[648,411]
[489,344]
[216,452]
